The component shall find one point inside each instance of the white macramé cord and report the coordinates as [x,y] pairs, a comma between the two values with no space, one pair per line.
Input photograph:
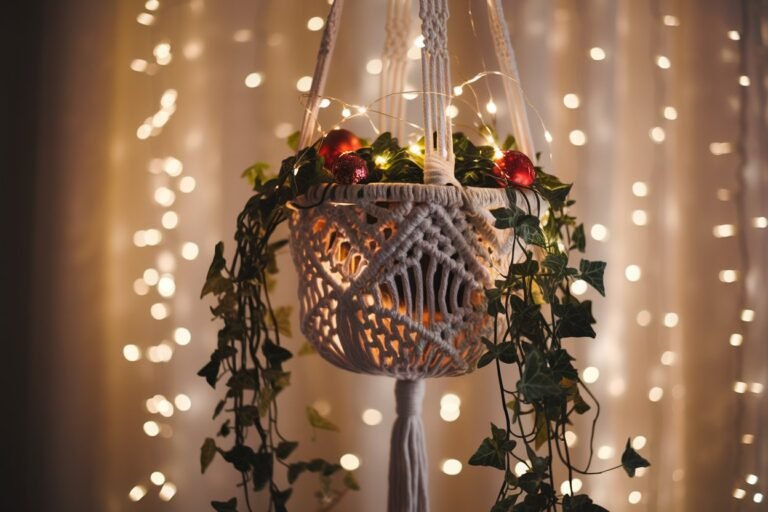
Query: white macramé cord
[505,55]
[394,59]
[408,489]
[323,64]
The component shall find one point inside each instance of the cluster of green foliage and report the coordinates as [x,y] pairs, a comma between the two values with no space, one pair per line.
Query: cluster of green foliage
[533,312]
[532,303]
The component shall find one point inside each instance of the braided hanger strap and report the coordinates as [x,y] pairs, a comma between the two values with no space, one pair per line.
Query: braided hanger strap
[394,60]
[436,74]
[323,64]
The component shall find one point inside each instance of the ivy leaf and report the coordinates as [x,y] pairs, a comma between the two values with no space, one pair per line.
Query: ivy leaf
[592,272]
[294,470]
[560,363]
[527,268]
[282,320]
[210,371]
[319,421]
[493,450]
[575,319]
[293,140]
[275,354]
[255,174]
[240,456]
[285,448]
[536,382]
[306,349]
[507,218]
[281,498]
[350,482]
[557,264]
[631,460]
[551,189]
[509,143]
[224,430]
[225,506]
[505,505]
[214,282]
[493,296]
[504,352]
[529,229]
[578,239]
[207,453]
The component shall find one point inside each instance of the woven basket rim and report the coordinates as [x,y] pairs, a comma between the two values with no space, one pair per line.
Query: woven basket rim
[441,194]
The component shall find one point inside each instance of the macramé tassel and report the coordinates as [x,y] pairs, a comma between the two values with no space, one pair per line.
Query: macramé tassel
[408,454]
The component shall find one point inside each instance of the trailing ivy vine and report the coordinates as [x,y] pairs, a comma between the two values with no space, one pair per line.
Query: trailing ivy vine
[532,309]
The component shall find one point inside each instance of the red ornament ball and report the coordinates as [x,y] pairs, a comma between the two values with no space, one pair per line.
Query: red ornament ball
[514,168]
[350,169]
[335,143]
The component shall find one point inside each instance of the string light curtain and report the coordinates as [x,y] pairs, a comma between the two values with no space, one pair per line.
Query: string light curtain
[656,109]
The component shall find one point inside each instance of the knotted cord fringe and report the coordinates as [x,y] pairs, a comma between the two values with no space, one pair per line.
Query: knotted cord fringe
[408,454]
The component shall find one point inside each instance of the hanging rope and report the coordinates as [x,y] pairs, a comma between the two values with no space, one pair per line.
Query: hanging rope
[408,455]
[512,87]
[394,59]
[323,64]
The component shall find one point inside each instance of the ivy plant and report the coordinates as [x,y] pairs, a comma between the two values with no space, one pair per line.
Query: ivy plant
[531,308]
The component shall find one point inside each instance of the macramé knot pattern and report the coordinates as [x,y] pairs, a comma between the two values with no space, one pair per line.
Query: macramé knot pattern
[392,276]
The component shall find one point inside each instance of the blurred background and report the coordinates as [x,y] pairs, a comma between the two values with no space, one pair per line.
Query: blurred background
[129,123]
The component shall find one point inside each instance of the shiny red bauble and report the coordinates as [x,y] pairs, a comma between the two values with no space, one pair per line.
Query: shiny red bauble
[350,169]
[514,168]
[335,143]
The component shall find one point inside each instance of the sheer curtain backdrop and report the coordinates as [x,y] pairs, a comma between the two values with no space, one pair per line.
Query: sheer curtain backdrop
[656,110]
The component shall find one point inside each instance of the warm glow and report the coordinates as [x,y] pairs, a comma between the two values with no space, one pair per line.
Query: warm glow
[655,394]
[577,137]
[597,53]
[547,136]
[131,352]
[451,467]
[521,468]
[143,132]
[152,5]
[374,66]
[324,103]
[349,461]
[450,401]
[164,196]
[747,315]
[720,148]
[166,286]
[140,287]
[345,112]
[639,218]
[635,497]
[182,336]
[744,81]
[183,402]
[643,318]
[159,311]
[187,184]
[728,276]
[633,273]
[166,262]
[189,251]
[242,36]
[579,287]
[452,111]
[151,276]
[734,35]
[570,438]
[491,107]
[756,388]
[640,189]
[736,339]
[724,230]
[671,319]
[739,493]
[671,21]
[304,83]
[571,100]
[315,23]
[599,232]
[372,417]
[657,134]
[167,492]
[670,113]
[169,220]
[449,415]
[151,428]
[138,492]
[639,442]
[157,478]
[663,62]
[668,358]
[758,497]
[139,65]
[145,19]
[590,374]
[571,487]
[760,222]
[162,53]
[747,439]
[605,452]
[458,90]
[723,194]
[253,80]
[419,42]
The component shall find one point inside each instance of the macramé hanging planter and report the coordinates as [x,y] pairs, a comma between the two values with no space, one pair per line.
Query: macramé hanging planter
[392,275]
